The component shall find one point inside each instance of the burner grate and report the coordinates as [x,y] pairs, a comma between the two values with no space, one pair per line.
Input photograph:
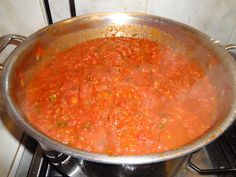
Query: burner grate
[49,14]
[222,153]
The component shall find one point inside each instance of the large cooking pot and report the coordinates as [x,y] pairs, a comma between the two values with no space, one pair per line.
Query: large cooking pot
[67,33]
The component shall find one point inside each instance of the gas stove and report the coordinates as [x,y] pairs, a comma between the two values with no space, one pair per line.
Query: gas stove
[22,156]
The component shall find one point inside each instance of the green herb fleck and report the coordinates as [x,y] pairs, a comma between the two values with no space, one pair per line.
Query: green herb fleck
[61,124]
[37,107]
[162,114]
[161,126]
[81,138]
[52,97]
[134,35]
[86,126]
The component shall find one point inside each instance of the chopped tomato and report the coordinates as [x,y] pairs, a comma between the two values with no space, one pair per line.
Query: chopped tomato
[121,96]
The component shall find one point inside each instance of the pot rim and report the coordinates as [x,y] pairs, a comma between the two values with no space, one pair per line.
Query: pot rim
[47,142]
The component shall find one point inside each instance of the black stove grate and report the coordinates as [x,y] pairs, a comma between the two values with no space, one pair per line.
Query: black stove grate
[49,14]
[222,153]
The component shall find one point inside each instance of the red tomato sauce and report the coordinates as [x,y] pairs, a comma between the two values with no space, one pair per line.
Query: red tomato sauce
[121,96]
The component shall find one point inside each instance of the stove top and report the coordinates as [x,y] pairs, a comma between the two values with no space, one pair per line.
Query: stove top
[41,166]
[22,156]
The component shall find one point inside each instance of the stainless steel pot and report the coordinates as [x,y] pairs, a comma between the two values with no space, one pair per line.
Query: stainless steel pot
[57,37]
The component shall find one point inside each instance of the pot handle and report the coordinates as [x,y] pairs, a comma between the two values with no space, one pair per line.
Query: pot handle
[230,46]
[7,39]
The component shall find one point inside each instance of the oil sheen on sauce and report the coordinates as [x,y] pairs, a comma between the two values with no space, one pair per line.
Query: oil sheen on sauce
[121,96]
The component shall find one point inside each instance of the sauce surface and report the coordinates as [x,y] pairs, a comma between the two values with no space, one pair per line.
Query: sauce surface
[121,96]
